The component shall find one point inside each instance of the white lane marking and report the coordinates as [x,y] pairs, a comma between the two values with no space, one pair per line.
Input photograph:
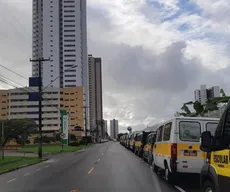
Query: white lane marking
[38,169]
[11,180]
[47,166]
[26,174]
[98,160]
[180,189]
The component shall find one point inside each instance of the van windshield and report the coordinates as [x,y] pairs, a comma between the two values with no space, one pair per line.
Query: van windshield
[189,131]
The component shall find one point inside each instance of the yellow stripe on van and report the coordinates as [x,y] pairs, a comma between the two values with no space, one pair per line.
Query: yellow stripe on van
[195,147]
[165,150]
[137,143]
[162,149]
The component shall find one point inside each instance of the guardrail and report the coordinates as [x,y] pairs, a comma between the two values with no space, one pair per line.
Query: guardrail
[10,148]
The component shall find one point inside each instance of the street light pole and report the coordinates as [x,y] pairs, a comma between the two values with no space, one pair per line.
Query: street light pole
[40,60]
[85,107]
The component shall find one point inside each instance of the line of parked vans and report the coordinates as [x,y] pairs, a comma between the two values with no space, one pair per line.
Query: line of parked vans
[173,147]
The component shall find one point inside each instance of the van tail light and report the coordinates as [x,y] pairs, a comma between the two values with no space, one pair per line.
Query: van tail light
[174,151]
[173,156]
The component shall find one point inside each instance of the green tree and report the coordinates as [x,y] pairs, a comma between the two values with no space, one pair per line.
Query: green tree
[223,93]
[200,110]
[18,129]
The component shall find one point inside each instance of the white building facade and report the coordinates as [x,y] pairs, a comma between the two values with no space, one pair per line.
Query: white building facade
[114,129]
[23,103]
[203,94]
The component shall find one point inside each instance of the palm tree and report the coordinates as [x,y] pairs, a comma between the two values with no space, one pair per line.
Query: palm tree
[200,110]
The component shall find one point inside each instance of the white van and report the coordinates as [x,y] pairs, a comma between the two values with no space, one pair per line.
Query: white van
[177,146]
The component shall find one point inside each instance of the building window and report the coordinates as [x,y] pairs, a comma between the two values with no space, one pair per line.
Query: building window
[70,75]
[70,60]
[70,81]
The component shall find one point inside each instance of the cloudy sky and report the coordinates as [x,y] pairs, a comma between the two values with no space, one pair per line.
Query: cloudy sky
[154,52]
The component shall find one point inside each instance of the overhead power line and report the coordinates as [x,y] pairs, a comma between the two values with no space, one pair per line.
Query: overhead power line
[13,72]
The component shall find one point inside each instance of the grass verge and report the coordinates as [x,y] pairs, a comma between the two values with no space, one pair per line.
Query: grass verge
[25,161]
[54,148]
[8,160]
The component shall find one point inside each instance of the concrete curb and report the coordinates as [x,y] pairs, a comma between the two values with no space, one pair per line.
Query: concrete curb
[22,166]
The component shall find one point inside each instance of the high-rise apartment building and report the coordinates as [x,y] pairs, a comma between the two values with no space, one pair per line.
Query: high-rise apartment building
[60,33]
[95,94]
[114,130]
[203,94]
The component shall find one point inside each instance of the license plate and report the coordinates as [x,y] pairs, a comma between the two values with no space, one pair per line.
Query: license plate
[190,153]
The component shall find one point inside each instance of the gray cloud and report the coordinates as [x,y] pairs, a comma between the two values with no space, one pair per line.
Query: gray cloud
[153,86]
[16,42]
[140,86]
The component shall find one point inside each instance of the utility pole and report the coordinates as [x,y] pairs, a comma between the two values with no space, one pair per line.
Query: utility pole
[85,117]
[40,60]
[2,140]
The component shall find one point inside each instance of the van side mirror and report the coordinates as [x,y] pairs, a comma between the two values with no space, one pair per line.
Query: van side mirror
[206,141]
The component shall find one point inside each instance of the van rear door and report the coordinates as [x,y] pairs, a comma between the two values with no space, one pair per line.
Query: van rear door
[189,156]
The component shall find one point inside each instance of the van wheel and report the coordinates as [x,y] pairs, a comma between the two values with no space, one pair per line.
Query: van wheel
[208,187]
[168,175]
[154,167]
[150,160]
[133,149]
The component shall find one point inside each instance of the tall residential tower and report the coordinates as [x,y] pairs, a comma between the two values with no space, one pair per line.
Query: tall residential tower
[60,33]
[95,94]
[114,130]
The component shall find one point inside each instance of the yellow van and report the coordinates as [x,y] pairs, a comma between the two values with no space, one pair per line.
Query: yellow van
[177,146]
[137,144]
[215,174]
[132,140]
[148,147]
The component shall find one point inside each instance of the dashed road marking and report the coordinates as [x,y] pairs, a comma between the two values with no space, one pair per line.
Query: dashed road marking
[90,171]
[180,189]
[26,174]
[38,169]
[11,180]
[47,166]
[98,160]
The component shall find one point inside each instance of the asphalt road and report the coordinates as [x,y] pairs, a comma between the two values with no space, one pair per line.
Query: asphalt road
[107,167]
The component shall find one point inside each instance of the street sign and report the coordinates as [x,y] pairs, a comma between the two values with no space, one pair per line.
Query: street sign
[62,135]
[64,126]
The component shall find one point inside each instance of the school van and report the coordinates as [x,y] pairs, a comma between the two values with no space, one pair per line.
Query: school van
[148,147]
[147,142]
[177,147]
[132,140]
[137,144]
[215,174]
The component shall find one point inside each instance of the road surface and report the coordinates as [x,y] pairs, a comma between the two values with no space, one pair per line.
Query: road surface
[107,167]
